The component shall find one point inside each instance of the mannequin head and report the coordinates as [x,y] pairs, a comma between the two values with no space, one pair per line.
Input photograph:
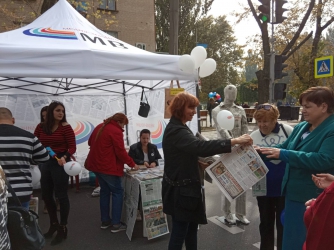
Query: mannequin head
[230,94]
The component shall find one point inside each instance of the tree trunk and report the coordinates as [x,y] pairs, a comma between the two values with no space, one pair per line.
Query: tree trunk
[264,81]
[47,4]
[174,27]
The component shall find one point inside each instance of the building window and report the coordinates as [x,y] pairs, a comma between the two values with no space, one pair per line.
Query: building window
[141,46]
[108,4]
[112,33]
[82,7]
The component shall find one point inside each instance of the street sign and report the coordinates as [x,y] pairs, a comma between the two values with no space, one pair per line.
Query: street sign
[203,45]
[323,67]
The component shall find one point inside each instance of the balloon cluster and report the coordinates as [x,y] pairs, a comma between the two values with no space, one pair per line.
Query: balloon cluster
[197,59]
[215,95]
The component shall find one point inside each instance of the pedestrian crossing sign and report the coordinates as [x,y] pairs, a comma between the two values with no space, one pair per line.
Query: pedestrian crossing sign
[323,67]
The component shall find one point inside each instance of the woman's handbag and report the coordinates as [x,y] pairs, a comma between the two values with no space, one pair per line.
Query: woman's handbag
[23,229]
[144,108]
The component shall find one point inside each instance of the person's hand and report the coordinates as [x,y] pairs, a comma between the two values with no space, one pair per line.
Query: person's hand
[146,164]
[152,165]
[61,161]
[271,152]
[203,165]
[309,203]
[244,139]
[323,180]
[136,167]
[257,148]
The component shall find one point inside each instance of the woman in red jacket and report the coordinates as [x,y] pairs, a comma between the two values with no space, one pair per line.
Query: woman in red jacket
[319,218]
[57,134]
[106,159]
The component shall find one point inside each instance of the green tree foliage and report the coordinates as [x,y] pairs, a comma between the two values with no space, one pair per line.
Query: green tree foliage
[196,26]
[248,92]
[300,37]
[14,14]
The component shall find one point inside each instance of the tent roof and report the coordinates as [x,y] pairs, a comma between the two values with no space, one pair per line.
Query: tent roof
[62,44]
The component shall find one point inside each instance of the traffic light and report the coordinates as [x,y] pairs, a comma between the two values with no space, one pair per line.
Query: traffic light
[279,11]
[279,66]
[279,91]
[265,11]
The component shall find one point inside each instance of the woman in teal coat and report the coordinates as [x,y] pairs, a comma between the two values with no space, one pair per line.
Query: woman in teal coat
[308,150]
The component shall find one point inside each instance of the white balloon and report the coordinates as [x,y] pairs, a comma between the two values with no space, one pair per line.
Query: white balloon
[199,55]
[207,68]
[35,175]
[186,63]
[72,168]
[225,119]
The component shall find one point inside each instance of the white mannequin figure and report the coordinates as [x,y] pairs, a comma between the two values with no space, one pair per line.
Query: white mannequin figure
[240,128]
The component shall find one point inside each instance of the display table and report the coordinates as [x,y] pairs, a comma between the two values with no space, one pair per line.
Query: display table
[146,184]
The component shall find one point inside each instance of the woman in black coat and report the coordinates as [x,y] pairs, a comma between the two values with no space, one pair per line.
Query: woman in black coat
[144,152]
[181,187]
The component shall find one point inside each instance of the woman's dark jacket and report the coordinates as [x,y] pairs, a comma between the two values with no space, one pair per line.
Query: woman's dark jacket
[137,154]
[181,150]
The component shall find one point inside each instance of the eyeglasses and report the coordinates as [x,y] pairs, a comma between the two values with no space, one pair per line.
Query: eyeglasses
[264,106]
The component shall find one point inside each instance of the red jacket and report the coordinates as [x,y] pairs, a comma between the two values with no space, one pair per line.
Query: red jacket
[107,154]
[319,221]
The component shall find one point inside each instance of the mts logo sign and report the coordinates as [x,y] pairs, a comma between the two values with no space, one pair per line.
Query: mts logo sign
[105,42]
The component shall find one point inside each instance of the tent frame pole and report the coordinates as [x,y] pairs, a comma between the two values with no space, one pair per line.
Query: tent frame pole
[125,111]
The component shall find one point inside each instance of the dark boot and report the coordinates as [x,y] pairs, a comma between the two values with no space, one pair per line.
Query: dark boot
[61,235]
[53,228]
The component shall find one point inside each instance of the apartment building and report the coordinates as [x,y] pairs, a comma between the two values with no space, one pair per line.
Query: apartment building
[131,21]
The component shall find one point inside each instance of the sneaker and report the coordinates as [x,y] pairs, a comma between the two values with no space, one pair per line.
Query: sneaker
[231,219]
[105,224]
[243,219]
[118,228]
[96,192]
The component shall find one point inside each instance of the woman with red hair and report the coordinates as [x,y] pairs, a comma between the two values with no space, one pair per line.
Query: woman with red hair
[181,186]
[106,159]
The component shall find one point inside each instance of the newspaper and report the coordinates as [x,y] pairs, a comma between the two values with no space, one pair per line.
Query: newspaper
[142,174]
[237,171]
[155,221]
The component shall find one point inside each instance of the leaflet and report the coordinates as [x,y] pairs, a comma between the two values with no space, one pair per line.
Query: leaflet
[237,171]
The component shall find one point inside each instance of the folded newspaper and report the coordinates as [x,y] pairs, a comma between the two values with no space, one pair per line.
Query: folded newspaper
[237,171]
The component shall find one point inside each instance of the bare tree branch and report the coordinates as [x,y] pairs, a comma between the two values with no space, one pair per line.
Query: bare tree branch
[328,23]
[300,29]
[299,45]
[251,6]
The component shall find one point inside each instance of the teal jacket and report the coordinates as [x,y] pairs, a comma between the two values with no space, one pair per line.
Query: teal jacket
[313,155]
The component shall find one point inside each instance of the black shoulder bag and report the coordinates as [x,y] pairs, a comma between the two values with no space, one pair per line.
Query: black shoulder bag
[23,229]
[144,108]
[285,133]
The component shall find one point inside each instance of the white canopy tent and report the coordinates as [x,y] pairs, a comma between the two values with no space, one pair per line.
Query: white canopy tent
[91,72]
[61,50]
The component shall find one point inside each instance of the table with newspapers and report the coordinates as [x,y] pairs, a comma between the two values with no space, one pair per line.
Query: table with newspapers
[144,183]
